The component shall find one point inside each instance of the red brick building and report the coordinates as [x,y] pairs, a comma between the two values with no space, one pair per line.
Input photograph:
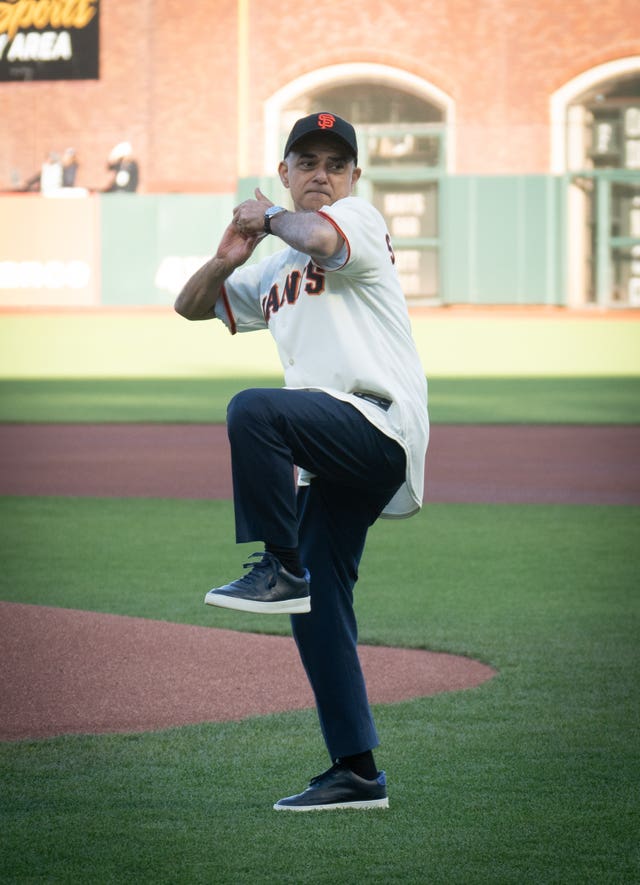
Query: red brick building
[189,84]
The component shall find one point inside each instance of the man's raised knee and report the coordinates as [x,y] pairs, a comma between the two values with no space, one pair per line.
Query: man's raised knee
[250,404]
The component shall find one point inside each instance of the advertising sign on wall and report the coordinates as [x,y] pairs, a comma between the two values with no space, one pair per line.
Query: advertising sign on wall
[50,257]
[49,40]
[166,238]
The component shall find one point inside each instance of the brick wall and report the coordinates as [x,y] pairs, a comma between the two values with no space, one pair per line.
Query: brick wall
[169,79]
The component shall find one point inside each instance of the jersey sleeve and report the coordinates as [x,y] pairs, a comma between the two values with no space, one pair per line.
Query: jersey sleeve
[239,306]
[367,242]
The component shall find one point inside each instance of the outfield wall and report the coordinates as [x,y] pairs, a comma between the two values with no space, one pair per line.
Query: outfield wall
[105,250]
[500,243]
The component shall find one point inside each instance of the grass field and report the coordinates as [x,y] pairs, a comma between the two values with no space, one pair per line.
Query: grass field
[569,400]
[462,344]
[532,778]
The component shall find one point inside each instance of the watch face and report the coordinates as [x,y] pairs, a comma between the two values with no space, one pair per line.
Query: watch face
[269,214]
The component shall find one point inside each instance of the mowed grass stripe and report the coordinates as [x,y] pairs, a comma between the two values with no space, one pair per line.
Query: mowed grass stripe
[570,400]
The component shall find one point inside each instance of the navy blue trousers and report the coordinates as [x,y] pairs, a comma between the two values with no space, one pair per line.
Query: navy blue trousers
[357,471]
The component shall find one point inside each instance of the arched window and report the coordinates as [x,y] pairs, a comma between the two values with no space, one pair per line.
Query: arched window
[611,114]
[404,128]
[596,138]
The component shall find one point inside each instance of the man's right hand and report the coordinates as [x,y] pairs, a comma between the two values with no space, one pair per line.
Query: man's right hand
[236,246]
[197,301]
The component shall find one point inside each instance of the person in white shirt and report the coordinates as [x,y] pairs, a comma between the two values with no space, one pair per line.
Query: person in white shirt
[352,418]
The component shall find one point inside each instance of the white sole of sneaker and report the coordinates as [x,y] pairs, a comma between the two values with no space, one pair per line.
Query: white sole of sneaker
[284,607]
[336,806]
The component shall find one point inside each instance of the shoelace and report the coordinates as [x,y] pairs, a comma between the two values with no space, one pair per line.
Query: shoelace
[319,777]
[267,561]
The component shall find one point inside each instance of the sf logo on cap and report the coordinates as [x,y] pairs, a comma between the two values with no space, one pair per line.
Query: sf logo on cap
[326,121]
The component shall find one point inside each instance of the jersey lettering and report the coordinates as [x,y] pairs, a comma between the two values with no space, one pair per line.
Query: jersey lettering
[315,285]
[291,288]
[390,248]
[315,279]
[271,303]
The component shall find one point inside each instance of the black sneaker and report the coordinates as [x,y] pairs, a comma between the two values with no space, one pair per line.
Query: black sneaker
[339,787]
[267,589]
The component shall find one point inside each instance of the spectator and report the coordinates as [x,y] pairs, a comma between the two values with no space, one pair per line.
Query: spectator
[51,174]
[48,178]
[69,167]
[125,169]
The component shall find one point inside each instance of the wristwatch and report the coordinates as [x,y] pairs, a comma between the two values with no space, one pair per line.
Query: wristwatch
[271,212]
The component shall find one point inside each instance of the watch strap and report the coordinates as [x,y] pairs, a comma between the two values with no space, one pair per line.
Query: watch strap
[271,212]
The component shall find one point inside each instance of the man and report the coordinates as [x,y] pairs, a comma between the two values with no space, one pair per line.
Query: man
[69,167]
[124,168]
[352,418]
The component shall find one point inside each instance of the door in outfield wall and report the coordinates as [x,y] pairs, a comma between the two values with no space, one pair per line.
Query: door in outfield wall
[401,139]
[606,169]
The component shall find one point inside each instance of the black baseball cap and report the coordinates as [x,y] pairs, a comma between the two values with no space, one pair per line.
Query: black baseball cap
[327,123]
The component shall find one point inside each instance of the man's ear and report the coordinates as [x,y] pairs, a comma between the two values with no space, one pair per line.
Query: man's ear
[357,172]
[283,172]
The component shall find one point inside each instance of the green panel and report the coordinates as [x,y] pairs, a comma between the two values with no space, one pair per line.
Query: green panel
[502,240]
[498,237]
[152,243]
[128,233]
[457,246]
[541,240]
[270,185]
[189,227]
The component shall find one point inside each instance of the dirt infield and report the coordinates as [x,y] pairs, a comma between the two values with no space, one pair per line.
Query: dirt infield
[80,672]
[541,464]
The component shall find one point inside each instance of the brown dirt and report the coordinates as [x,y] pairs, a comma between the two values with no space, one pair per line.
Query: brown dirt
[80,672]
[540,464]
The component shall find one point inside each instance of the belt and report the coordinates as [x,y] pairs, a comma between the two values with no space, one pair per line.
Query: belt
[379,401]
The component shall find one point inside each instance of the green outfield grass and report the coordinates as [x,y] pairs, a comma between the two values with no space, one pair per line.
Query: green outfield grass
[158,343]
[531,778]
[586,400]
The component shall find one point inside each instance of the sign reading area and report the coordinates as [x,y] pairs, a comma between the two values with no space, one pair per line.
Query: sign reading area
[49,40]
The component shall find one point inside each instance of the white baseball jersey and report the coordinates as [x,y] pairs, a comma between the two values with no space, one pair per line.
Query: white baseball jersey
[341,328]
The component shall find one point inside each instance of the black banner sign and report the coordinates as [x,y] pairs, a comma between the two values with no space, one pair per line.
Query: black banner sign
[49,40]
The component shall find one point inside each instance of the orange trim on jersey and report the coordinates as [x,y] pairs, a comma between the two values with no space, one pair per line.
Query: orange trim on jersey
[232,320]
[344,237]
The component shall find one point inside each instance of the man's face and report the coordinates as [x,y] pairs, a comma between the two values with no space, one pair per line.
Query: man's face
[319,171]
